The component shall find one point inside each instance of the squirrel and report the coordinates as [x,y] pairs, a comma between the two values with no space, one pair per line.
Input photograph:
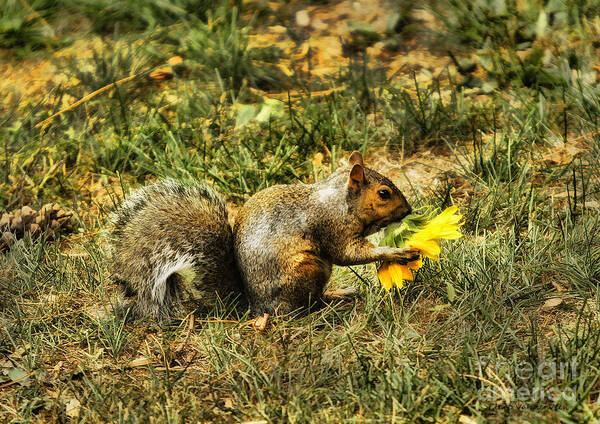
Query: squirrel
[173,245]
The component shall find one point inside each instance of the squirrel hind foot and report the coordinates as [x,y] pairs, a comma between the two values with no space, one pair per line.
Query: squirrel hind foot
[346,293]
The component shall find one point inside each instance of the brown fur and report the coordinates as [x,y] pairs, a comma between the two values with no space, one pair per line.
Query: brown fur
[287,237]
[167,228]
[284,241]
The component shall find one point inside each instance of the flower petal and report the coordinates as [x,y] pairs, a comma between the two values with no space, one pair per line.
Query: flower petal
[406,273]
[397,274]
[429,248]
[443,226]
[418,264]
[384,276]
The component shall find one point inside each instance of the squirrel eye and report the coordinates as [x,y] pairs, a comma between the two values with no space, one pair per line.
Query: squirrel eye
[384,194]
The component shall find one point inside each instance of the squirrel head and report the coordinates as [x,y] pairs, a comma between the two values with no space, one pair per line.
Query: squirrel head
[377,201]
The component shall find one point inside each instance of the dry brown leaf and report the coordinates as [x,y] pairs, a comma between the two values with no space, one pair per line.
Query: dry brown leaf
[318,24]
[72,408]
[139,362]
[318,160]
[552,302]
[260,323]
[287,71]
[165,73]
[562,155]
[20,351]
[175,60]
[302,18]
[57,367]
[465,419]
[277,29]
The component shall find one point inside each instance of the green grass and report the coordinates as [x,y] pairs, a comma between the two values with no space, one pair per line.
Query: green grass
[476,335]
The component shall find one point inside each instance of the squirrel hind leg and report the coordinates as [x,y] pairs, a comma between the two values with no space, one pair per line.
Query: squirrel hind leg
[299,286]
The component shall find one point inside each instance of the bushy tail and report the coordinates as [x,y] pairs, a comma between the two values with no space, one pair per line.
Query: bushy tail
[167,189]
[169,239]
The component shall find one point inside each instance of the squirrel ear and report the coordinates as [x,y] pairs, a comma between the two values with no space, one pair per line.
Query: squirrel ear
[357,176]
[356,158]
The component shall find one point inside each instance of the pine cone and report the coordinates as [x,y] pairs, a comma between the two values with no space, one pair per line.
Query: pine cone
[49,219]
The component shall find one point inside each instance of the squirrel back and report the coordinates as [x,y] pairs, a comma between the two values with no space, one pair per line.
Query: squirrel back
[172,247]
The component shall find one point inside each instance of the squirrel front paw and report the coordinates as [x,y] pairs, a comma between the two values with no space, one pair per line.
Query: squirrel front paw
[401,255]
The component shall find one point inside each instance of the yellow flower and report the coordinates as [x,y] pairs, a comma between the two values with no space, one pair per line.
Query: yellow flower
[415,264]
[429,248]
[393,274]
[427,240]
[444,226]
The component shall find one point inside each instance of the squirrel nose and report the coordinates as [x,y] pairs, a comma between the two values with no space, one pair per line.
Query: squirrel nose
[403,211]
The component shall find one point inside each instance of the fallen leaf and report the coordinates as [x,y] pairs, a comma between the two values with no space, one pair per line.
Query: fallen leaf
[284,68]
[245,114]
[20,351]
[139,362]
[57,367]
[319,25]
[302,18]
[318,160]
[261,322]
[465,419]
[278,29]
[563,154]
[271,108]
[450,291]
[552,302]
[165,73]
[175,60]
[99,311]
[592,204]
[18,375]
[72,408]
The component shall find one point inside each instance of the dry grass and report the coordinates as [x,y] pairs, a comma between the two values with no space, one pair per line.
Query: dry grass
[525,277]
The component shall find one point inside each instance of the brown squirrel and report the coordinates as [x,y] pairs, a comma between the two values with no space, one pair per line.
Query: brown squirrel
[172,243]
